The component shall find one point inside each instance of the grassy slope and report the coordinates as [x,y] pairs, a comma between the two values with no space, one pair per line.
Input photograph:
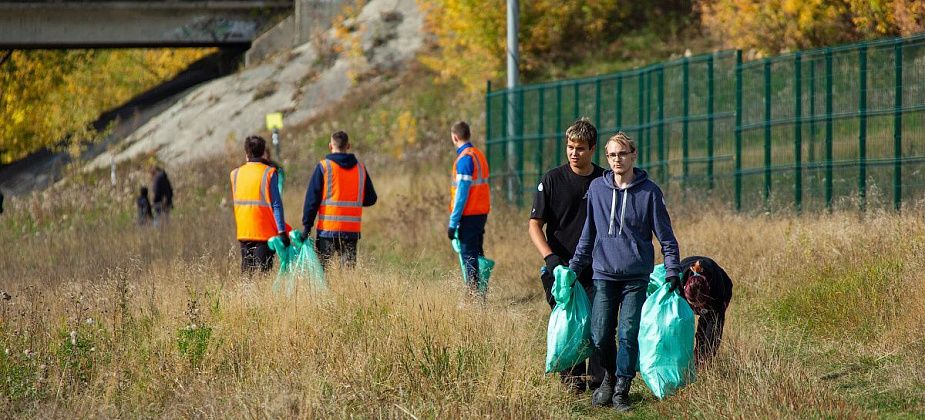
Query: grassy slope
[826,318]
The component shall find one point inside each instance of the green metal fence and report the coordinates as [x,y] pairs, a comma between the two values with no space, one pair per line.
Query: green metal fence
[820,129]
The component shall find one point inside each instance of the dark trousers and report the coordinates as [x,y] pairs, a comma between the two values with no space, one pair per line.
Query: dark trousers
[615,313]
[346,249]
[471,235]
[255,255]
[592,371]
[709,334]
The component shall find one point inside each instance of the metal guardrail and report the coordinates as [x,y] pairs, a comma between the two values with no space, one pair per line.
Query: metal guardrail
[814,129]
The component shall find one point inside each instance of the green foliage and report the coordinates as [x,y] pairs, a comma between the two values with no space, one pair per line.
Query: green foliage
[193,341]
[47,96]
[76,351]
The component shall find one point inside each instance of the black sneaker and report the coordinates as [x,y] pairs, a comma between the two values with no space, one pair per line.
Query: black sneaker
[621,395]
[603,394]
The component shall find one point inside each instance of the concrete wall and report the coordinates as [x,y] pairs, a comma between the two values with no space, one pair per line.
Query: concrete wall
[308,17]
[133,23]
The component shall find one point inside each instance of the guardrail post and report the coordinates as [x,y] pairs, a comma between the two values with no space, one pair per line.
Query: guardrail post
[597,118]
[660,117]
[828,129]
[738,132]
[488,124]
[798,132]
[710,120]
[559,152]
[862,128]
[685,110]
[898,125]
[767,134]
[541,130]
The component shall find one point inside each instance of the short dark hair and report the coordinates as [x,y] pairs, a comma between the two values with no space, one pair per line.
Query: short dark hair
[582,130]
[461,130]
[340,139]
[254,146]
[144,191]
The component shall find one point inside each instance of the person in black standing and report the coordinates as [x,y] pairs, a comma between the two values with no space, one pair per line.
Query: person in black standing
[163,196]
[143,204]
[560,206]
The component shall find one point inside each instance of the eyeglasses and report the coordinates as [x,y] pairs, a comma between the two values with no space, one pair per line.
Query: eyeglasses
[620,156]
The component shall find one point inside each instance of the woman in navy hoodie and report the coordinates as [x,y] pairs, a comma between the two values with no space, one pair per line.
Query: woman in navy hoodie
[624,209]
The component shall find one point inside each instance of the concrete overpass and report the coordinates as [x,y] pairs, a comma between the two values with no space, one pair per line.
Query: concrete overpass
[138,23]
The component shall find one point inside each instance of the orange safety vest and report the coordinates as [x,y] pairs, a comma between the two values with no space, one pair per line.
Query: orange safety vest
[342,198]
[250,190]
[479,200]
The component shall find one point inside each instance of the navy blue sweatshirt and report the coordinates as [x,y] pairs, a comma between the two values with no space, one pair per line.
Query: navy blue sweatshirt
[316,187]
[618,230]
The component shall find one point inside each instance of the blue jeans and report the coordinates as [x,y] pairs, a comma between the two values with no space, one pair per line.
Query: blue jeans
[615,313]
[471,235]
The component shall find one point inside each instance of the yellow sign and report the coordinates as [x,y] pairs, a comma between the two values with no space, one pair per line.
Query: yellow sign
[275,121]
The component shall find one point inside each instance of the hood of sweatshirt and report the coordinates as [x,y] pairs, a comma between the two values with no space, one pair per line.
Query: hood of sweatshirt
[617,237]
[640,177]
[344,160]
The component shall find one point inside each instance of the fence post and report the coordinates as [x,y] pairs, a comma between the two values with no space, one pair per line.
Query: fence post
[618,105]
[558,123]
[597,118]
[576,91]
[505,145]
[862,128]
[520,146]
[642,116]
[798,131]
[710,119]
[685,110]
[828,128]
[738,132]
[660,117]
[812,111]
[898,125]
[541,130]
[648,143]
[488,123]
[767,134]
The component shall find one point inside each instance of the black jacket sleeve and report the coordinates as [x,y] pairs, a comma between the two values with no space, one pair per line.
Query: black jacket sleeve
[312,198]
[369,196]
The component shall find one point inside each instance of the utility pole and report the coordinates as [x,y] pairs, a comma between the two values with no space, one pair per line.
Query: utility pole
[513,59]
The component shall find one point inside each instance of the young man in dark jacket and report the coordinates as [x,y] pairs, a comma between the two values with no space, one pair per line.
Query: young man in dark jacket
[624,209]
[559,205]
[339,189]
[708,289]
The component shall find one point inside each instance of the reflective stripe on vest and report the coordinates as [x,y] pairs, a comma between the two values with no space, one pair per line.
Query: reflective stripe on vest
[253,213]
[342,198]
[479,200]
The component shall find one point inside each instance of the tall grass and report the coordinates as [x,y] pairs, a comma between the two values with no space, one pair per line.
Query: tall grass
[107,319]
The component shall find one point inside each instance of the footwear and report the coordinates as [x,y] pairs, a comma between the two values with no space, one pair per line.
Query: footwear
[604,393]
[621,395]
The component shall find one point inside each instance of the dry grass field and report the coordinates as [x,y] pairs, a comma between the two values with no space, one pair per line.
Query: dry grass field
[106,319]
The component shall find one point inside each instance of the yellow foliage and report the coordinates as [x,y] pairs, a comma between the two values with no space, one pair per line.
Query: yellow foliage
[49,96]
[470,35]
[771,26]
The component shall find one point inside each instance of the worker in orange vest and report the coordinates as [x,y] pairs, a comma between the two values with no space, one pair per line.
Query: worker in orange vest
[339,189]
[258,207]
[471,202]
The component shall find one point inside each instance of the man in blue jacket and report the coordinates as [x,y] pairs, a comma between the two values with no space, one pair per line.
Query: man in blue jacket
[624,209]
[339,189]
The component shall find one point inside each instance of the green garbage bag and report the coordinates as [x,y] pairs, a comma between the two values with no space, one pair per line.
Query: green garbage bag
[568,336]
[656,279]
[666,341]
[305,264]
[297,261]
[485,268]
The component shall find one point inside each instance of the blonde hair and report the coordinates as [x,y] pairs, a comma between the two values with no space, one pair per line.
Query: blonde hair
[622,139]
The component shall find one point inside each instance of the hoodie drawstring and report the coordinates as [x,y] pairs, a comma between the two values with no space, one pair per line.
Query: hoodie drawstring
[613,211]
